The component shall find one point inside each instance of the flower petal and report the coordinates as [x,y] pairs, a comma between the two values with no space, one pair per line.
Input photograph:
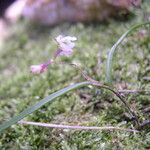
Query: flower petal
[37,69]
[66,43]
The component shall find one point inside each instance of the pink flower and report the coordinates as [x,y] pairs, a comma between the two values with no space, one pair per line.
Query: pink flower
[65,44]
[37,69]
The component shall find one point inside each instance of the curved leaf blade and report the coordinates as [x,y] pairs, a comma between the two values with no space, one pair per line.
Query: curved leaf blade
[42,102]
[113,49]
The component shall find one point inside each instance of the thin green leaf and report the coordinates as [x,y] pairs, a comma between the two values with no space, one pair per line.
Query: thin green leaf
[33,108]
[113,49]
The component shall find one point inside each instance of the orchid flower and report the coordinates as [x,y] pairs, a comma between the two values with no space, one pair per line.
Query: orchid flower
[65,45]
[37,69]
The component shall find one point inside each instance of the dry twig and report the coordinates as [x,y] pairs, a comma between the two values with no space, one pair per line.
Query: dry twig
[75,127]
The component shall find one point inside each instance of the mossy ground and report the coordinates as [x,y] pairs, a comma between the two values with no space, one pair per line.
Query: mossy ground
[19,89]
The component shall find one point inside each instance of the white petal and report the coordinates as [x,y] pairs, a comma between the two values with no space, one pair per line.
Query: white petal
[66,43]
[59,38]
[65,47]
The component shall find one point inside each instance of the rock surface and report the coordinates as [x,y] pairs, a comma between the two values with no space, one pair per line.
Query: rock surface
[51,12]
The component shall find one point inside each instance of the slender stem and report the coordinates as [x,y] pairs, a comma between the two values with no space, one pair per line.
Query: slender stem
[123,101]
[97,83]
[75,127]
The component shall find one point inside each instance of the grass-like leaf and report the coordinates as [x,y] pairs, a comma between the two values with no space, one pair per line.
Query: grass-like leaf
[33,108]
[113,49]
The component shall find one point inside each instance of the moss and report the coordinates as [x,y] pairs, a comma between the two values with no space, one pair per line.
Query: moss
[30,44]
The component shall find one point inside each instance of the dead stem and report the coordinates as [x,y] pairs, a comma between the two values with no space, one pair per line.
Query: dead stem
[75,127]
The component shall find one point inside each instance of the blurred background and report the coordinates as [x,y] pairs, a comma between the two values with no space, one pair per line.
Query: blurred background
[55,12]
[27,32]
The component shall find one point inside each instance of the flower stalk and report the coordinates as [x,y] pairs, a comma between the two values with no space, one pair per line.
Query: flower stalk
[114,91]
